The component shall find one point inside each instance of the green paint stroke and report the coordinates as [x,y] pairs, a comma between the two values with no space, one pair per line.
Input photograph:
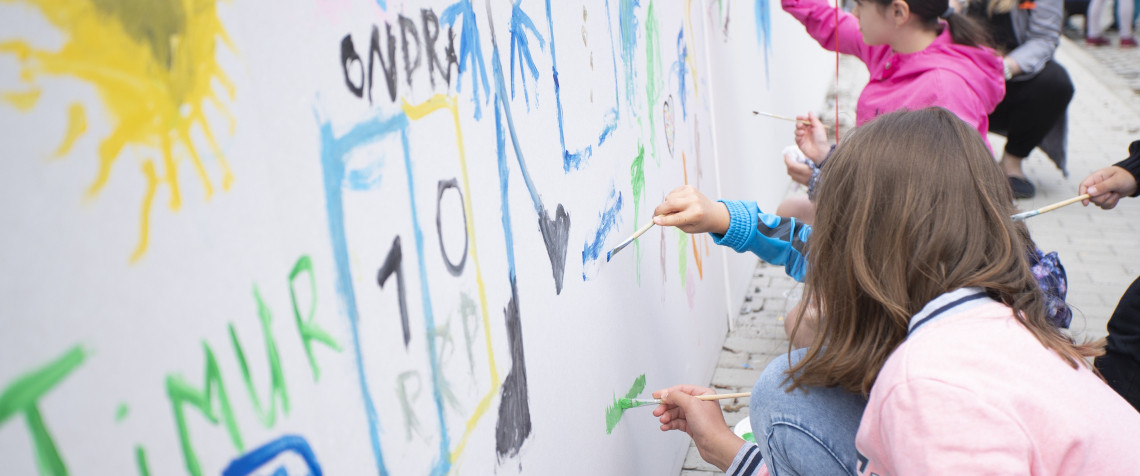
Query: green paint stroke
[410,421]
[121,413]
[22,395]
[205,400]
[682,255]
[268,416]
[309,329]
[140,460]
[614,412]
[652,75]
[637,181]
[470,316]
[444,350]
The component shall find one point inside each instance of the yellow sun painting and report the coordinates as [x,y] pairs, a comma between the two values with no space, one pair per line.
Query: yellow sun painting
[152,64]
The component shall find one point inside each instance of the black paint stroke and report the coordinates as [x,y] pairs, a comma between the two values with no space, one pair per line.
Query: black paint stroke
[388,66]
[513,426]
[407,25]
[556,235]
[347,56]
[394,263]
[431,34]
[454,269]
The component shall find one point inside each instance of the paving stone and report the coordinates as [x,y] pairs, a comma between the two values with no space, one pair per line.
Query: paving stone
[735,378]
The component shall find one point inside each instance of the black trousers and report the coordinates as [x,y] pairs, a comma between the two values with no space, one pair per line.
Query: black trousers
[1120,365]
[1031,107]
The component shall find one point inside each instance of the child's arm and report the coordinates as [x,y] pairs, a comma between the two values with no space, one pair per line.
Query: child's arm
[818,17]
[1041,39]
[738,225]
[775,239]
[1108,185]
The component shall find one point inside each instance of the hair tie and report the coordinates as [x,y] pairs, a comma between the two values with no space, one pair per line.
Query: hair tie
[946,14]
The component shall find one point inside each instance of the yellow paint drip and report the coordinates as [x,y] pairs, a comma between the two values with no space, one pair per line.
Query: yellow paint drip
[152,64]
[151,187]
[24,100]
[76,126]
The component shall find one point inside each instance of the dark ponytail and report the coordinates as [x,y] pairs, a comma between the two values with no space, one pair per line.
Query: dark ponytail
[964,30]
[968,31]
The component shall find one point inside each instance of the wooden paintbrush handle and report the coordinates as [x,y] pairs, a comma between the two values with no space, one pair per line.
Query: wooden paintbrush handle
[1063,203]
[721,396]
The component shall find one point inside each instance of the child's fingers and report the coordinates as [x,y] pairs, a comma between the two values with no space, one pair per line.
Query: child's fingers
[677,200]
[678,219]
[671,205]
[676,425]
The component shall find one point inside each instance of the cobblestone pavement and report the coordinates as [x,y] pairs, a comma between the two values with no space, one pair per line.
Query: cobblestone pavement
[1096,247]
[1123,62]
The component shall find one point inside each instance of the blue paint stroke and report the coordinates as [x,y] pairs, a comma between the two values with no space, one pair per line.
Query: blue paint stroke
[281,471]
[383,4]
[444,464]
[504,204]
[570,160]
[610,127]
[764,35]
[592,250]
[501,99]
[614,115]
[681,71]
[574,160]
[334,152]
[520,47]
[367,178]
[251,461]
[469,48]
[613,59]
[628,23]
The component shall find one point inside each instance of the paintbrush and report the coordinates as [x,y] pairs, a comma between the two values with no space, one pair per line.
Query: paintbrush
[1048,208]
[783,118]
[629,240]
[625,403]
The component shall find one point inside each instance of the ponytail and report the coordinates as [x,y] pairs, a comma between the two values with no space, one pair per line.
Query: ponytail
[967,31]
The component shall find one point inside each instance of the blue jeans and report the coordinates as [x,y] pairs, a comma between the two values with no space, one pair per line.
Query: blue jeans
[809,433]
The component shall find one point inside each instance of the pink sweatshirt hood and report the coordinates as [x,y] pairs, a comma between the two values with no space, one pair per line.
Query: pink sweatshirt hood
[965,79]
[968,81]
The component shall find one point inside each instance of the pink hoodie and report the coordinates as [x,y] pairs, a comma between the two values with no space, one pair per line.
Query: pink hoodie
[974,392]
[968,81]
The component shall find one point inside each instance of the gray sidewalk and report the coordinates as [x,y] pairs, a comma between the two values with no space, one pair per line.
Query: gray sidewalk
[1096,246]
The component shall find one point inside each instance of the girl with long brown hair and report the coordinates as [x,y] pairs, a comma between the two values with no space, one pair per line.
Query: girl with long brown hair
[934,353]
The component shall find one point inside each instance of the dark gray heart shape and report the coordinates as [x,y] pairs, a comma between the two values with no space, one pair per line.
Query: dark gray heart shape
[556,234]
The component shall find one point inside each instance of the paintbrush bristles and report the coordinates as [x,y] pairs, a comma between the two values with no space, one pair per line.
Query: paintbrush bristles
[629,240]
[1049,208]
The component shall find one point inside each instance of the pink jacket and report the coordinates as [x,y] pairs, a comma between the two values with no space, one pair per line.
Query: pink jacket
[968,81]
[974,392]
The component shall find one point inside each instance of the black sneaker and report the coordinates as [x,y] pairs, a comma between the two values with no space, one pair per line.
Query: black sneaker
[1022,188]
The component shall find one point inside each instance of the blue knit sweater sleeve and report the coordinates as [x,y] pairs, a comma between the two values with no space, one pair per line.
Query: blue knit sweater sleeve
[775,239]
